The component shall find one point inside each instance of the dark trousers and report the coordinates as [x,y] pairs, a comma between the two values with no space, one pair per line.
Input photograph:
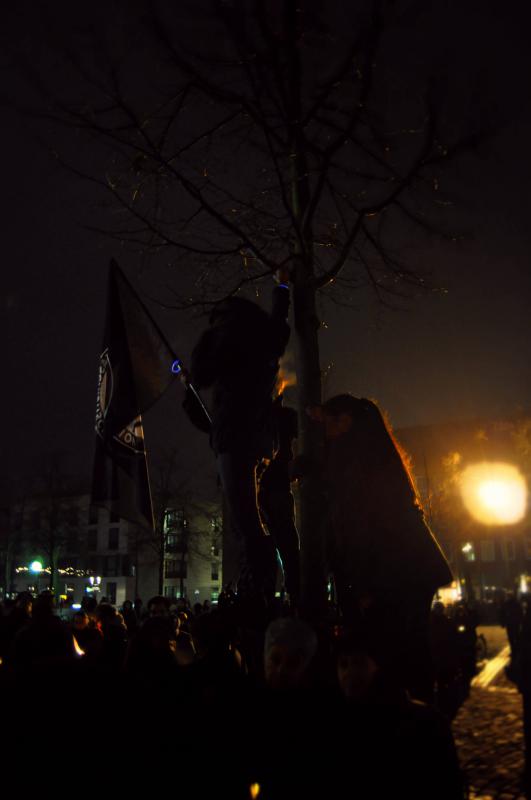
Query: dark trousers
[278,512]
[237,472]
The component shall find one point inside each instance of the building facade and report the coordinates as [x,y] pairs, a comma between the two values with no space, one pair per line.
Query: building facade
[193,553]
[65,544]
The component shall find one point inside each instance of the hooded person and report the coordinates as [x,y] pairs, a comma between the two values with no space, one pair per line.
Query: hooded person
[386,562]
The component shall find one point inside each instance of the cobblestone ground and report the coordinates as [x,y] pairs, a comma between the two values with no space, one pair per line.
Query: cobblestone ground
[489,737]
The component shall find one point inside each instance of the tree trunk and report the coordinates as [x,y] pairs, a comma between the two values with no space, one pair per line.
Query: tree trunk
[136,562]
[161,563]
[313,578]
[51,584]
[313,585]
[10,563]
[184,552]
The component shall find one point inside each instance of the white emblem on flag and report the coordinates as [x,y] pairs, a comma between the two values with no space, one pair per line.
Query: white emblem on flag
[132,435]
[104,393]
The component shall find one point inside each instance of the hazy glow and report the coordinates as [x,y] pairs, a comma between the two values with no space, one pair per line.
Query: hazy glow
[36,566]
[450,594]
[77,648]
[494,493]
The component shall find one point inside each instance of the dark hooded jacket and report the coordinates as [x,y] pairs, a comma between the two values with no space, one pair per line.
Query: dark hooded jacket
[237,357]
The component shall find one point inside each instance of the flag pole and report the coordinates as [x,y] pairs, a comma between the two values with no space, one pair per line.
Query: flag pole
[177,368]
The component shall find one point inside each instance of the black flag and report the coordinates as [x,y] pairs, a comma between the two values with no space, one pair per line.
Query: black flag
[135,370]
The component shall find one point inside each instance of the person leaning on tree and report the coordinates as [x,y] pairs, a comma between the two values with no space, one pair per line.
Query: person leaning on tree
[386,563]
[276,501]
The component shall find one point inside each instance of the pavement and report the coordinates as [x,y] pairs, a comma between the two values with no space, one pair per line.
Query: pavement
[488,728]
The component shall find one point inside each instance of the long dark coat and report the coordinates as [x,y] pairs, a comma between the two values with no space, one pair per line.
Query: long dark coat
[376,535]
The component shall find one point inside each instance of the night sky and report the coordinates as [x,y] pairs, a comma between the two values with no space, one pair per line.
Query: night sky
[454,355]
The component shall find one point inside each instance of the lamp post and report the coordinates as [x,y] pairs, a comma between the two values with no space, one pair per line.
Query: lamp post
[468,554]
[495,495]
[36,568]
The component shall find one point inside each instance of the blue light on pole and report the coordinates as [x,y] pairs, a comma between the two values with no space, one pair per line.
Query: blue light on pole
[177,366]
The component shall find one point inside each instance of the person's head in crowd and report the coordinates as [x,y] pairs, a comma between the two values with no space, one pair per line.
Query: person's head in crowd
[209,633]
[89,604]
[24,602]
[227,597]
[43,606]
[107,615]
[290,646]
[8,605]
[158,606]
[356,666]
[183,621]
[198,609]
[80,620]
[127,606]
[461,612]
[151,652]
[438,609]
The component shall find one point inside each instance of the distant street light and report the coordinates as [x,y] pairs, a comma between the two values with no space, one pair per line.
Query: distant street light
[494,493]
[36,567]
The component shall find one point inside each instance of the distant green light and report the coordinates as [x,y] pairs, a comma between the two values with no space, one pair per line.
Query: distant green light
[36,566]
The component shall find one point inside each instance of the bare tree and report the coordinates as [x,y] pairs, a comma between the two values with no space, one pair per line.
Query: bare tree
[12,506]
[53,516]
[182,522]
[246,135]
[169,491]
[10,540]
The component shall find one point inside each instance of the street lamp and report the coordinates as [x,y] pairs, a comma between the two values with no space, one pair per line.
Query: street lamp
[36,568]
[494,493]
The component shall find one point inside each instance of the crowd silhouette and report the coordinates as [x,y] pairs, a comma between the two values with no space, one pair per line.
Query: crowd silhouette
[315,714]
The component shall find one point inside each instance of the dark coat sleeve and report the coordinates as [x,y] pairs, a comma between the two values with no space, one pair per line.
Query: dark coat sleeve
[206,362]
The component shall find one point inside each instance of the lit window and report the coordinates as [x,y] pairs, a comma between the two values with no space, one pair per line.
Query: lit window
[488,552]
[468,551]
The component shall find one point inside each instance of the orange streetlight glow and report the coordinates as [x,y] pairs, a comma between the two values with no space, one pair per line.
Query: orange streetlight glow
[494,493]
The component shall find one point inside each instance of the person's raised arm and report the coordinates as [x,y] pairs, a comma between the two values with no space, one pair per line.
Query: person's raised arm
[280,310]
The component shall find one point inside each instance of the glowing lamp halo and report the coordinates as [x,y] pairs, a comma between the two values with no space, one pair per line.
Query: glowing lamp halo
[494,493]
[36,567]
